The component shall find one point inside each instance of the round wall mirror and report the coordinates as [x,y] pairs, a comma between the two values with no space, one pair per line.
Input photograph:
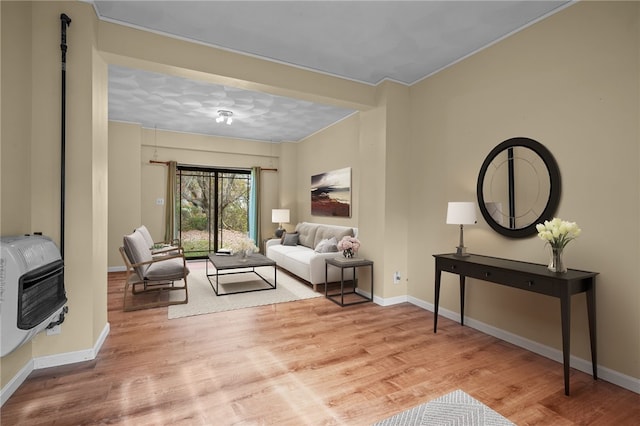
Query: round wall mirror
[518,187]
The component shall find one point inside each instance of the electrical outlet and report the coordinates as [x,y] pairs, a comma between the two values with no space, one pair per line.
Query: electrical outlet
[396,277]
[54,330]
[160,201]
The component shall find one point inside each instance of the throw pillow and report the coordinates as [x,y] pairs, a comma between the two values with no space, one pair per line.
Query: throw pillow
[328,245]
[290,239]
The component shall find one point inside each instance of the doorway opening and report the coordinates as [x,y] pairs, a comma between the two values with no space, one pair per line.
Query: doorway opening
[213,209]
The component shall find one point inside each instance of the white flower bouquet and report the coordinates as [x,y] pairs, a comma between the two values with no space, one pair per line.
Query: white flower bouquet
[245,246]
[557,232]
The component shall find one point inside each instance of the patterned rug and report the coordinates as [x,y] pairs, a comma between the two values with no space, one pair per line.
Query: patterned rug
[455,408]
[203,300]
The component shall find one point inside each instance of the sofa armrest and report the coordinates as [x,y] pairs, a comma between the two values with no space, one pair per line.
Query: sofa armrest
[316,266]
[272,242]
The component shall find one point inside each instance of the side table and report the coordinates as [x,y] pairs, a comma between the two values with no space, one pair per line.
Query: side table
[342,263]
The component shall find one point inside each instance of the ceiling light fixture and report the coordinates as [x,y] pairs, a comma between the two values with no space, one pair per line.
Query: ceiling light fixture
[224,116]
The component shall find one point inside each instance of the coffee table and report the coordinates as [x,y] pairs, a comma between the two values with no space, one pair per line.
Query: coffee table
[239,265]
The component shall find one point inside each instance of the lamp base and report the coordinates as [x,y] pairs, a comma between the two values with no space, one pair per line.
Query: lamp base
[461,251]
[279,232]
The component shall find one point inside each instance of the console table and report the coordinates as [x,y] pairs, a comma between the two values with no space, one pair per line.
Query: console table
[530,277]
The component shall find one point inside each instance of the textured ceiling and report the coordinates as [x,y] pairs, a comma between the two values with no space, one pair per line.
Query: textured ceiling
[366,41]
[175,103]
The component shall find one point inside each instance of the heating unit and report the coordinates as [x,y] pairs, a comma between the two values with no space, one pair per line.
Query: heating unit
[32,294]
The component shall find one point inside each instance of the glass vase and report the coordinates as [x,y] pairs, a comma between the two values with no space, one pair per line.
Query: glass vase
[556,263]
[348,253]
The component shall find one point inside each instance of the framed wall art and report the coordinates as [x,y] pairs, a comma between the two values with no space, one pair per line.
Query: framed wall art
[331,193]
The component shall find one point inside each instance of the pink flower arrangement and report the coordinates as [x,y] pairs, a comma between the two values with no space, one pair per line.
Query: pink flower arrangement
[349,246]
[349,243]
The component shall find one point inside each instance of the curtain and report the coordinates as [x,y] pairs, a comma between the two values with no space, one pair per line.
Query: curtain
[170,205]
[254,206]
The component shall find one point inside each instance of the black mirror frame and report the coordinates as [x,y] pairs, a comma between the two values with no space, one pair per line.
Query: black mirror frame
[554,193]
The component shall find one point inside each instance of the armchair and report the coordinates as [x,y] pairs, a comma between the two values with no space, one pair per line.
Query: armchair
[155,276]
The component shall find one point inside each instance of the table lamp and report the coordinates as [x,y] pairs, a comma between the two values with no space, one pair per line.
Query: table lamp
[461,213]
[280,216]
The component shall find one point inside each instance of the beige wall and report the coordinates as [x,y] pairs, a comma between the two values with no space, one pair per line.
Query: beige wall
[15,143]
[397,177]
[16,107]
[288,182]
[570,82]
[332,149]
[35,29]
[135,183]
[374,143]
[125,186]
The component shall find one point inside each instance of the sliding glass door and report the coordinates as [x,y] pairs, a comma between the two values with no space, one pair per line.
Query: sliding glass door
[213,208]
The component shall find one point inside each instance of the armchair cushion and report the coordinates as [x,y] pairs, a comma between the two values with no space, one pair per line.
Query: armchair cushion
[170,269]
[137,250]
[147,235]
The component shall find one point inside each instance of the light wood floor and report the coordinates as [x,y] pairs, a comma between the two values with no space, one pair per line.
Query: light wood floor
[303,363]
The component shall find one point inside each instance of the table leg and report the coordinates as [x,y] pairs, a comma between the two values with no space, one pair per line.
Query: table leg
[462,292]
[591,312]
[342,286]
[436,300]
[355,281]
[565,313]
[371,282]
[326,293]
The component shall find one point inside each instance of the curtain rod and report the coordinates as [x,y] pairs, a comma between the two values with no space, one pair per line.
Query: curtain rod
[166,163]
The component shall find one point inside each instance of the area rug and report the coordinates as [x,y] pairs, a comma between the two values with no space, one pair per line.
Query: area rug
[203,300]
[455,408]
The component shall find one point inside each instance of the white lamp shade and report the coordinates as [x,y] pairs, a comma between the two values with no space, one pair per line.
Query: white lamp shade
[461,213]
[280,215]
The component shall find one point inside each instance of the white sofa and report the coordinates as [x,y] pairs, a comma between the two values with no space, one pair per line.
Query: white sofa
[302,259]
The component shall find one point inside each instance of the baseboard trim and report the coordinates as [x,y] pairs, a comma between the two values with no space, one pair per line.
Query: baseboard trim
[72,357]
[380,300]
[52,361]
[15,382]
[391,300]
[116,269]
[581,364]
